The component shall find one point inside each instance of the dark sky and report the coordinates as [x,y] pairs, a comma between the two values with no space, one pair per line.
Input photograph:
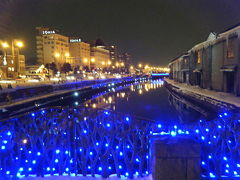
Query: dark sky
[152,31]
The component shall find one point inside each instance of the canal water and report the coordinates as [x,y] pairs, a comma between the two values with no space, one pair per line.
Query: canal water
[107,134]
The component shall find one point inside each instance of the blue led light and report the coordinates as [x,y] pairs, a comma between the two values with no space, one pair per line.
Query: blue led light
[29,169]
[57,151]
[175,127]
[100,168]
[120,153]
[209,157]
[127,119]
[76,94]
[109,167]
[48,168]
[56,161]
[173,133]
[91,153]
[9,133]
[117,147]
[137,160]
[3,147]
[120,167]
[197,131]
[227,165]
[106,144]
[38,153]
[89,167]
[80,149]
[34,161]
[207,130]
[33,114]
[108,125]
[219,126]
[126,174]
[212,175]
[66,152]
[128,146]
[202,137]
[85,131]
[203,163]
[5,141]
[7,172]
[67,169]
[21,169]
[159,125]
[225,158]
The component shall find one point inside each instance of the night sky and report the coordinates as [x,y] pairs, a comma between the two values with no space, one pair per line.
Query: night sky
[152,31]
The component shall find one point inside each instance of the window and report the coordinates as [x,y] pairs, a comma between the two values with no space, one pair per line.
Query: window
[199,58]
[230,50]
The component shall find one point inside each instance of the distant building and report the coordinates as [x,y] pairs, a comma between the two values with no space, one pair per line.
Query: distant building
[79,52]
[212,64]
[51,46]
[113,50]
[100,57]
[12,63]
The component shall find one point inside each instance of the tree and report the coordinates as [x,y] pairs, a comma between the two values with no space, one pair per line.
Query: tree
[52,67]
[66,68]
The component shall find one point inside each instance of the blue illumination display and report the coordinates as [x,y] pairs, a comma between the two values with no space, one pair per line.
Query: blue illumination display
[74,142]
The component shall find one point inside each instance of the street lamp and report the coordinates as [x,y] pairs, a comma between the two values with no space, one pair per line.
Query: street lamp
[140,65]
[5,45]
[19,44]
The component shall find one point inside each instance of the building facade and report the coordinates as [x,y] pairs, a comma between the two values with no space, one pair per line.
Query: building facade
[79,52]
[113,50]
[100,57]
[51,46]
[213,64]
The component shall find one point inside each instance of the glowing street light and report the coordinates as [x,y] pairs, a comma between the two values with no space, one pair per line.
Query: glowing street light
[5,45]
[93,60]
[122,64]
[140,65]
[131,67]
[57,55]
[109,62]
[67,54]
[85,60]
[19,44]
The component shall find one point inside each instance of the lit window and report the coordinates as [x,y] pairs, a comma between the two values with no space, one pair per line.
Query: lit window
[199,57]
[230,51]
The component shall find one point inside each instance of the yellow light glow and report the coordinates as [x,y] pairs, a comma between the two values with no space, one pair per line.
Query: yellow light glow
[109,62]
[85,60]
[140,65]
[19,44]
[103,63]
[5,45]
[67,54]
[93,60]
[94,105]
[117,64]
[131,67]
[57,55]
[122,64]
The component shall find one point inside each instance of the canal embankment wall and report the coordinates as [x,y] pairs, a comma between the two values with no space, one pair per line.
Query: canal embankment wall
[218,101]
[21,94]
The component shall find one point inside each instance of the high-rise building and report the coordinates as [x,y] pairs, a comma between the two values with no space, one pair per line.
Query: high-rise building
[51,46]
[113,50]
[79,52]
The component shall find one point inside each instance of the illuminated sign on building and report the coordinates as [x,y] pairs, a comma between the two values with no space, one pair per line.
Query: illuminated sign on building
[48,32]
[75,40]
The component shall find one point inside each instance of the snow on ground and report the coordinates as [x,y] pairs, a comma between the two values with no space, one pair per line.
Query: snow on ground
[80,177]
[219,96]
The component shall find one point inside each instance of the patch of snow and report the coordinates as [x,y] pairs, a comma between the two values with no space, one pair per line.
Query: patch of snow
[214,95]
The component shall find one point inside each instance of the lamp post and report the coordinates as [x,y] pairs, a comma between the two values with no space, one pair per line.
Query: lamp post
[16,45]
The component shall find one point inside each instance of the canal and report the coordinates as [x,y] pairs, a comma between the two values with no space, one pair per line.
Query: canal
[107,133]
